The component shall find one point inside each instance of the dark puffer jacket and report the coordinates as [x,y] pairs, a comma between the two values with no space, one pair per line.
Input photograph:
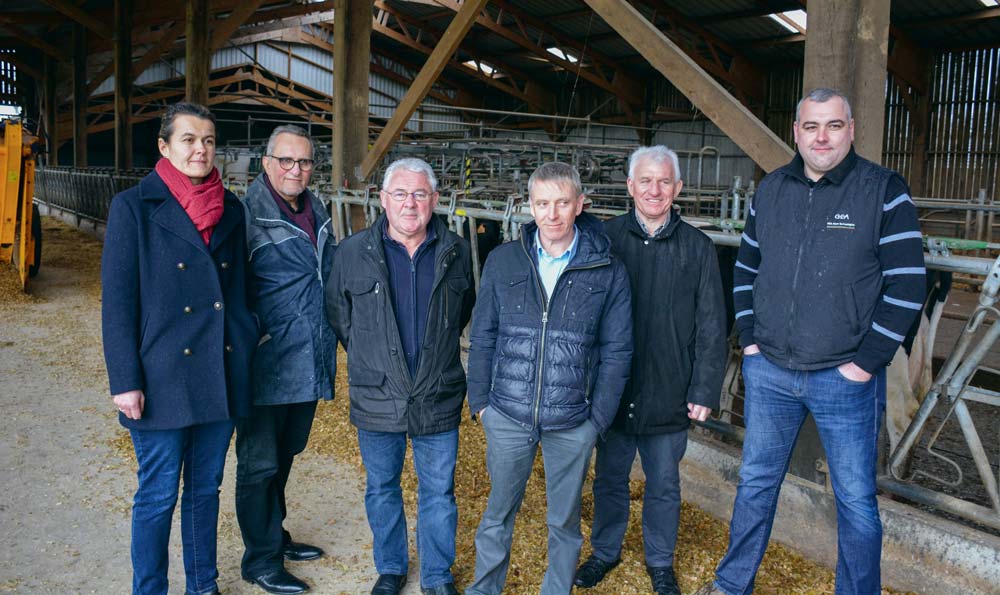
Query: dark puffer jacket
[552,367]
[296,359]
[384,397]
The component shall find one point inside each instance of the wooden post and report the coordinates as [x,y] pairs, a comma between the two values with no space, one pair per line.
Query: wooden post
[340,49]
[442,53]
[359,57]
[51,109]
[123,84]
[80,96]
[731,116]
[847,46]
[921,114]
[197,54]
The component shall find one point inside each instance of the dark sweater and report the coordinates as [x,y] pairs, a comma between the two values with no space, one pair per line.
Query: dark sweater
[411,282]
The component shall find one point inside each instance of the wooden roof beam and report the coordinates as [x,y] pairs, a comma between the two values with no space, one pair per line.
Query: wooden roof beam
[765,8]
[389,23]
[81,16]
[968,17]
[22,66]
[32,40]
[435,64]
[741,73]
[224,29]
[591,65]
[731,116]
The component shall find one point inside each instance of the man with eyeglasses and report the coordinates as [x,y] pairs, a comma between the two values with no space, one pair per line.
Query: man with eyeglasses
[400,294]
[291,253]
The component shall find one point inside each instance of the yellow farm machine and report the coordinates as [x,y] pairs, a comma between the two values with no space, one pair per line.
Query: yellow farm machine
[20,223]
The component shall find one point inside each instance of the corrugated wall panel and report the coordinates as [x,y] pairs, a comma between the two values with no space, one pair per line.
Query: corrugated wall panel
[230,56]
[156,73]
[315,55]
[272,59]
[312,76]
[438,120]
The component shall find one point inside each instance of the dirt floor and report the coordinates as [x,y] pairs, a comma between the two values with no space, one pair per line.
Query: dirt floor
[71,473]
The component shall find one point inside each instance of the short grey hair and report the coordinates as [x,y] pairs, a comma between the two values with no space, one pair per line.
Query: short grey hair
[657,154]
[410,164]
[293,130]
[554,171]
[822,95]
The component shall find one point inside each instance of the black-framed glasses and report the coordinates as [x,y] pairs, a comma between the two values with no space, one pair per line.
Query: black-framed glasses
[400,195]
[287,163]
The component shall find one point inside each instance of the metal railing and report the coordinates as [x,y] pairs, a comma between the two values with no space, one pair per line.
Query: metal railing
[85,192]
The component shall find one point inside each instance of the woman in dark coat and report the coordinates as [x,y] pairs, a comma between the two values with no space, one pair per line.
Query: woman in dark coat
[178,336]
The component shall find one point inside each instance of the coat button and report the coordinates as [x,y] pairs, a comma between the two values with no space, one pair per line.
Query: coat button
[187,309]
[187,351]
[217,305]
[181,266]
[224,265]
[229,348]
[631,415]
[645,242]
[410,400]
[393,351]
[631,405]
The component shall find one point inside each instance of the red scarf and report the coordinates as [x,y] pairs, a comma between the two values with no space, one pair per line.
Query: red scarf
[202,203]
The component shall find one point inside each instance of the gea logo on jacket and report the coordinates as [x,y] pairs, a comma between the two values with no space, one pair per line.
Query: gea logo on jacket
[840,221]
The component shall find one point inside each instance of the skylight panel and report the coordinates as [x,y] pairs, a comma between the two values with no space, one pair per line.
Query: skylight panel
[480,66]
[793,20]
[562,54]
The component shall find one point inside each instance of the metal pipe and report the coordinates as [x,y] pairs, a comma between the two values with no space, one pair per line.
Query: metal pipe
[474,248]
[975,444]
[921,495]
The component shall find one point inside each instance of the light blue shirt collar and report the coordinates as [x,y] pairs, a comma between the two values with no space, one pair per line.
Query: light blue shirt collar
[551,267]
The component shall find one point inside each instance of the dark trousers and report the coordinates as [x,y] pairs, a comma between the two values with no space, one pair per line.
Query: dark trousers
[660,455]
[266,443]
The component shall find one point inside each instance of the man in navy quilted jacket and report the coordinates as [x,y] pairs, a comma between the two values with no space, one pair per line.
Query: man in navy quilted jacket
[550,354]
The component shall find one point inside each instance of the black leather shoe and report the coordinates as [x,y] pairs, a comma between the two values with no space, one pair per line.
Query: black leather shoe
[445,589]
[592,571]
[279,582]
[389,584]
[664,581]
[300,552]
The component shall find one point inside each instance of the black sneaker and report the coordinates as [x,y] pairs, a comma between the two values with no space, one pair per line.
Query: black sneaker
[592,571]
[664,581]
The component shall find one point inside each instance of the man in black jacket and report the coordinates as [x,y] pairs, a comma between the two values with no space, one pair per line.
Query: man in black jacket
[400,294]
[550,351]
[291,250]
[829,278]
[677,367]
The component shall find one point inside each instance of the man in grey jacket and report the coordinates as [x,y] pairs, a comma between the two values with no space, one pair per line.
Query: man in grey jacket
[400,294]
[291,251]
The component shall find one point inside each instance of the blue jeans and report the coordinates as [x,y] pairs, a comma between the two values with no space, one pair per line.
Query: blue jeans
[434,457]
[510,454]
[660,455]
[199,454]
[848,415]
